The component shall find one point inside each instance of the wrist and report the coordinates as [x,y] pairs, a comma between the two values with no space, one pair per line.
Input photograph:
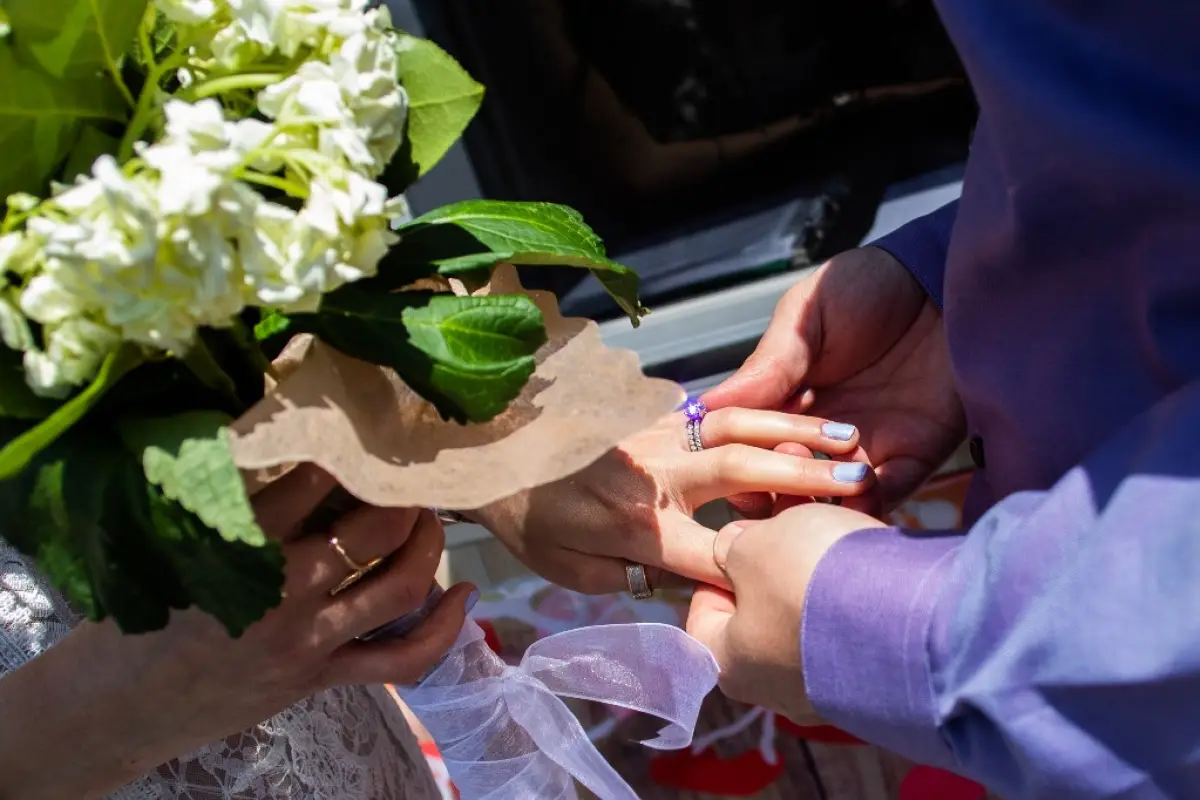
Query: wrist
[73,699]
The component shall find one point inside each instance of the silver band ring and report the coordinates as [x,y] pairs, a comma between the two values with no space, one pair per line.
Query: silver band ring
[635,576]
[695,410]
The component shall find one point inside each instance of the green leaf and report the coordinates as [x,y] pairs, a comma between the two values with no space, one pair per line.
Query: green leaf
[273,323]
[74,38]
[18,452]
[17,400]
[40,118]
[442,101]
[469,356]
[474,234]
[188,457]
[117,546]
[91,143]
[235,582]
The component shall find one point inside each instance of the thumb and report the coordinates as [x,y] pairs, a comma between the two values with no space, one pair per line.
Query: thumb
[724,543]
[776,368]
[708,619]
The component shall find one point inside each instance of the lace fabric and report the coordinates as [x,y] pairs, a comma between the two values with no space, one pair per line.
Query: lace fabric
[340,744]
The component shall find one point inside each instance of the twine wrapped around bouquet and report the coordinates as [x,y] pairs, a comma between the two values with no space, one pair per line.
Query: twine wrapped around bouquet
[503,731]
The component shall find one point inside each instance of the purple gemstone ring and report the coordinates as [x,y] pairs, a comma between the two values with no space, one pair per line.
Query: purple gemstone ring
[694,410]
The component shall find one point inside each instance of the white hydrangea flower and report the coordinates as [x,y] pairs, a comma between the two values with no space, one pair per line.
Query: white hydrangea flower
[199,154]
[355,100]
[108,221]
[312,93]
[14,328]
[45,377]
[47,301]
[302,23]
[257,29]
[291,259]
[115,257]
[365,68]
[19,253]
[74,352]
[78,346]
[187,12]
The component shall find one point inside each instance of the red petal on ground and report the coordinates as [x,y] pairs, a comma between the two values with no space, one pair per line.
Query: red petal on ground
[930,783]
[707,772]
[825,734]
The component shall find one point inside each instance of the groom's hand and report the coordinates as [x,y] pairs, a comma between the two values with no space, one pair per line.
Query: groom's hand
[754,631]
[859,341]
[636,503]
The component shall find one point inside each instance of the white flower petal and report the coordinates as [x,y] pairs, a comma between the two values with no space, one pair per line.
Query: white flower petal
[14,328]
[45,300]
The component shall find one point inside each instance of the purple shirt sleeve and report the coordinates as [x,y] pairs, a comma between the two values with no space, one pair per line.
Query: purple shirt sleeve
[921,247]
[1047,653]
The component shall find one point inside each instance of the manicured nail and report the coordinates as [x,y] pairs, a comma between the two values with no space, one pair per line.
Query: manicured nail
[838,431]
[849,471]
[472,599]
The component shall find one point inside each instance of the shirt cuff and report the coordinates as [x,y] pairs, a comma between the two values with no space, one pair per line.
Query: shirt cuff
[921,247]
[865,637]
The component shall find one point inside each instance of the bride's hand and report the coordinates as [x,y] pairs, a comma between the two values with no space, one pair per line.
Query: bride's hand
[125,704]
[636,503]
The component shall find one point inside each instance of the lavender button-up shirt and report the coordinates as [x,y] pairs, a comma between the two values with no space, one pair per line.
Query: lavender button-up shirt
[1052,650]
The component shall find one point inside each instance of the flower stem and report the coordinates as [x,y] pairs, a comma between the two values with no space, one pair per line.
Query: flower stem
[232,83]
[284,185]
[144,109]
[248,344]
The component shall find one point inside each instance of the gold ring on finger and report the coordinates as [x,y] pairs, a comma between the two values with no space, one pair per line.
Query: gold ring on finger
[357,571]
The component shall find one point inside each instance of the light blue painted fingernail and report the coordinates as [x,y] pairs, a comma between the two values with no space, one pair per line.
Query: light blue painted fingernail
[849,471]
[472,599]
[838,431]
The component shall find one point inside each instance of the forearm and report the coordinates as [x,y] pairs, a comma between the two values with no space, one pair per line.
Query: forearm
[1044,653]
[67,702]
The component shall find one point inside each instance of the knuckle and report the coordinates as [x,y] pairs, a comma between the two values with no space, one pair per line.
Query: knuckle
[734,460]
[720,419]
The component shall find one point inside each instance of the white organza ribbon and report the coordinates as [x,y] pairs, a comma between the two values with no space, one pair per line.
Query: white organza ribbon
[503,732]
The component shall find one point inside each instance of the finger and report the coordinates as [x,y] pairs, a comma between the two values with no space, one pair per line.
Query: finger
[786,501]
[586,573]
[737,469]
[759,505]
[709,615]
[778,364]
[770,428]
[364,534]
[406,660]
[398,587]
[724,542]
[756,505]
[682,547]
[282,506]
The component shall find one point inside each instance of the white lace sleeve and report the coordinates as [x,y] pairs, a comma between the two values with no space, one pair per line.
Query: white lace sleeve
[342,744]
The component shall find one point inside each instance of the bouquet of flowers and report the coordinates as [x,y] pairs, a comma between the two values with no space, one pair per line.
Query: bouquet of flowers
[209,274]
[218,177]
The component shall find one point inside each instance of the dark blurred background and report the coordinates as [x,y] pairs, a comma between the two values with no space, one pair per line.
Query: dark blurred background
[663,119]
